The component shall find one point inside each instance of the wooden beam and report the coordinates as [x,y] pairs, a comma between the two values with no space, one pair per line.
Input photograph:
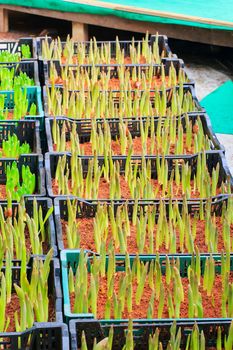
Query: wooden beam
[190,33]
[4,25]
[79,31]
[152,12]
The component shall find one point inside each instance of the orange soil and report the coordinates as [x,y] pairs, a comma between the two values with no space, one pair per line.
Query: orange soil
[211,305]
[137,147]
[104,189]
[87,241]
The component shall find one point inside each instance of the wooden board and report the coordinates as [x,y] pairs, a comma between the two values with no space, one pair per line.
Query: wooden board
[3,20]
[190,33]
[145,11]
[79,31]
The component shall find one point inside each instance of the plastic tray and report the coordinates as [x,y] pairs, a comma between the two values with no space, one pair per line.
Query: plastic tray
[142,330]
[69,258]
[28,67]
[47,335]
[124,44]
[45,204]
[212,159]
[43,335]
[115,94]
[25,130]
[113,68]
[33,96]
[84,126]
[87,209]
[35,163]
[15,46]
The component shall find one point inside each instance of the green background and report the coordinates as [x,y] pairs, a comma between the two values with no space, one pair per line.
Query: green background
[212,9]
[219,106]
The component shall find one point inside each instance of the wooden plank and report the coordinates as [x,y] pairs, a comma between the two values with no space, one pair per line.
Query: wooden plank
[150,12]
[189,33]
[4,25]
[79,31]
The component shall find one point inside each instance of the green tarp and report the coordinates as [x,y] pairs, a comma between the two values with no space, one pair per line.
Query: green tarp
[219,106]
[211,9]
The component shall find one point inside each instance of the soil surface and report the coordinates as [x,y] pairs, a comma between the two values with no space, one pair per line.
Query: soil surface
[115,83]
[211,305]
[10,116]
[127,60]
[104,189]
[87,241]
[3,194]
[86,147]
[14,306]
[45,245]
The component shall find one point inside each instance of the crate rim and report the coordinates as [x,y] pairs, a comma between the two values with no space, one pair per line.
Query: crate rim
[68,314]
[55,269]
[43,64]
[50,221]
[150,325]
[59,199]
[164,61]
[144,257]
[187,87]
[40,175]
[38,92]
[179,321]
[162,36]
[36,131]
[19,42]
[48,175]
[37,326]
[34,63]
[202,115]
[25,62]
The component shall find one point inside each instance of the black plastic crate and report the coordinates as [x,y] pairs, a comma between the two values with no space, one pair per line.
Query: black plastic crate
[45,204]
[88,209]
[115,93]
[28,67]
[25,130]
[178,64]
[45,335]
[44,143]
[54,284]
[70,259]
[15,46]
[212,159]
[33,96]
[35,163]
[142,330]
[124,44]
[83,128]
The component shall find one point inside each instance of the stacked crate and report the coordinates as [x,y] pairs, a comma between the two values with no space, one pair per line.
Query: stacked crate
[125,154]
[27,130]
[73,133]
